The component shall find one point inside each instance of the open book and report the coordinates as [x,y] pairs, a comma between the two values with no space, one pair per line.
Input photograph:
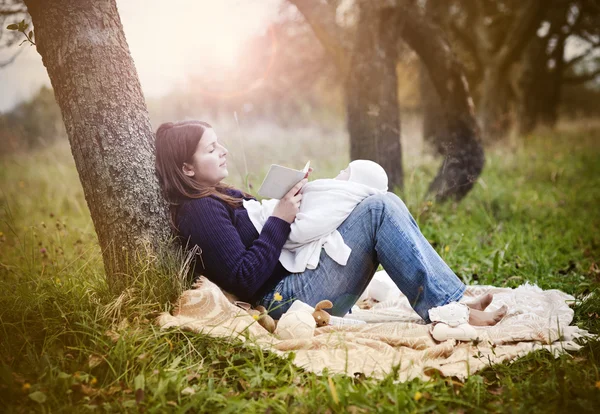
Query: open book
[280,180]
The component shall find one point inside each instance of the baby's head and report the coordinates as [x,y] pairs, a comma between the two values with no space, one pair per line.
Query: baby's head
[365,172]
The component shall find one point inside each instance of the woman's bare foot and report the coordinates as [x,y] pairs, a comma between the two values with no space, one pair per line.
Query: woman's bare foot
[481,302]
[480,318]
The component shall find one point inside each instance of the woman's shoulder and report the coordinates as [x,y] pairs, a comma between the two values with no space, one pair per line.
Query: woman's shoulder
[202,210]
[210,202]
[194,204]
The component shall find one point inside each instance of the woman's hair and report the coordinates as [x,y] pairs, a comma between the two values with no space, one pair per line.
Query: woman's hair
[176,143]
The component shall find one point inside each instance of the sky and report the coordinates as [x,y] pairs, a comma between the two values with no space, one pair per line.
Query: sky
[167,43]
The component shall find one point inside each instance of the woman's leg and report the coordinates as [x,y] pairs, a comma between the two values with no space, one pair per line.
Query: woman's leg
[379,230]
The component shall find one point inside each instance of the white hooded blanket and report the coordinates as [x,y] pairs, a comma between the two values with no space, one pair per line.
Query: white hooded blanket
[326,203]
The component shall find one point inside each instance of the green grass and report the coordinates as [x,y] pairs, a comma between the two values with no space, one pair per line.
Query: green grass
[67,344]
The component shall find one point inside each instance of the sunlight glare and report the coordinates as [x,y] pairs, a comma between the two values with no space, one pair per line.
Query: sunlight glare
[190,37]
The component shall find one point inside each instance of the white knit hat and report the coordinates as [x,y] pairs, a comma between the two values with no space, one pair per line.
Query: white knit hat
[368,173]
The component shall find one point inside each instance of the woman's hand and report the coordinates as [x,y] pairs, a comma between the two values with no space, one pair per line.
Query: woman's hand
[289,205]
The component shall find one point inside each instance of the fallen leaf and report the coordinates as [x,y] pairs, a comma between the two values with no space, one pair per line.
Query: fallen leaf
[38,397]
[188,391]
[94,360]
[113,336]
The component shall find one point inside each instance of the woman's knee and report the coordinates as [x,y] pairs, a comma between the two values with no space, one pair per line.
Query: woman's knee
[389,204]
[385,201]
[401,208]
[375,202]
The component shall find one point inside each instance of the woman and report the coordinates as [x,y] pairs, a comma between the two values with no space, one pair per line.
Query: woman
[191,164]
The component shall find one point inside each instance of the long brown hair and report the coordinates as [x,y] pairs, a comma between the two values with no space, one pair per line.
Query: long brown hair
[176,143]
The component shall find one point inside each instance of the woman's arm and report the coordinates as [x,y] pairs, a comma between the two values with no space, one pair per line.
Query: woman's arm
[227,261]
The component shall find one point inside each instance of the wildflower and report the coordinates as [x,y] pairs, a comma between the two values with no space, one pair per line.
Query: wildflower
[26,387]
[57,280]
[447,249]
[93,381]
[255,317]
[277,297]
[43,250]
[418,396]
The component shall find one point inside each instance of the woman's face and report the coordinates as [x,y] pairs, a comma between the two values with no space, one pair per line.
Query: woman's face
[208,165]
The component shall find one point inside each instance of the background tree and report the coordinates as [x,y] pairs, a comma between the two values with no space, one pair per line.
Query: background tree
[367,67]
[83,47]
[461,144]
[364,63]
[32,123]
[492,36]
[516,56]
[546,69]
[372,109]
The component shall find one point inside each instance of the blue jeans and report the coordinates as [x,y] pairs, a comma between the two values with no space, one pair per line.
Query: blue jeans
[379,230]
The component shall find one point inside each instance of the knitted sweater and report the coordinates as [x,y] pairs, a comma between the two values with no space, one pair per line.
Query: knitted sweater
[234,254]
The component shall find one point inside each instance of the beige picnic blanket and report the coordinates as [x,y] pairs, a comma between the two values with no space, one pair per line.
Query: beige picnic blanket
[395,335]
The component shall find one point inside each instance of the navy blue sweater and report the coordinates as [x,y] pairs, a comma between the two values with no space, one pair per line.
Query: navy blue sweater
[235,256]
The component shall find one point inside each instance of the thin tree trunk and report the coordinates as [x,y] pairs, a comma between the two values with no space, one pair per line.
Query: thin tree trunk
[373,113]
[549,109]
[532,83]
[494,110]
[435,127]
[83,47]
[464,157]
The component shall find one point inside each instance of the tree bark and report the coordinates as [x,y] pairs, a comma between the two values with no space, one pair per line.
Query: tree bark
[373,114]
[83,47]
[464,157]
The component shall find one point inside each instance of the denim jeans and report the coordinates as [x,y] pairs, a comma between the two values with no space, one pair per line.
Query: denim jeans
[380,230]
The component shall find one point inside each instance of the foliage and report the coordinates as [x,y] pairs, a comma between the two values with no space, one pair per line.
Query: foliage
[31,124]
[22,27]
[13,13]
[67,344]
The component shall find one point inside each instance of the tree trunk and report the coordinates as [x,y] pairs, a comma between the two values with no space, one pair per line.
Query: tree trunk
[494,110]
[464,157]
[532,82]
[373,114]
[549,106]
[435,127]
[543,70]
[83,47]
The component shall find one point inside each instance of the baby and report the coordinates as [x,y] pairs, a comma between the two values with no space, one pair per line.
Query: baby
[325,205]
